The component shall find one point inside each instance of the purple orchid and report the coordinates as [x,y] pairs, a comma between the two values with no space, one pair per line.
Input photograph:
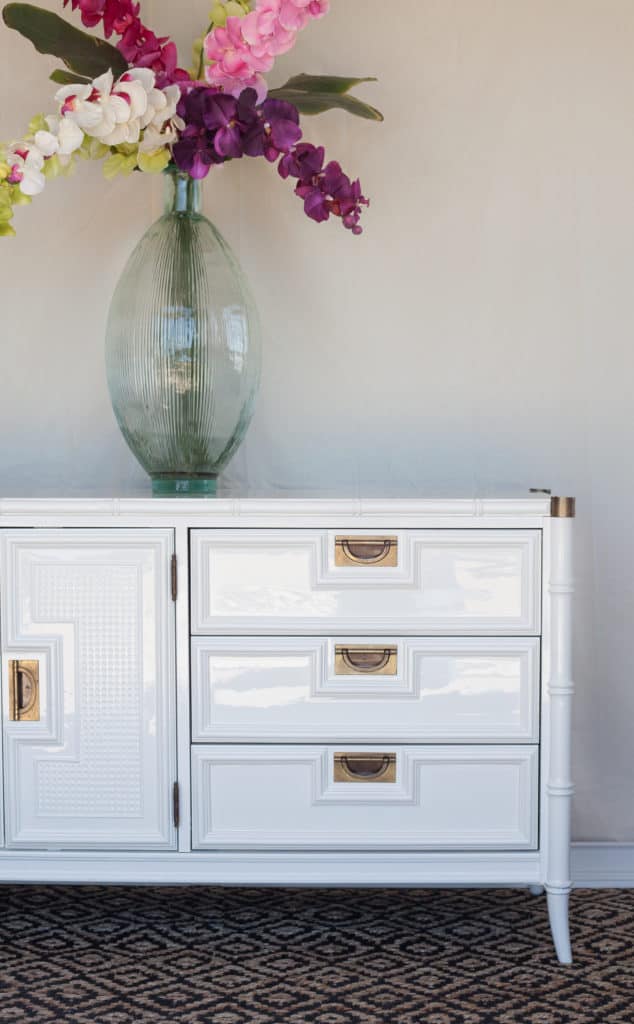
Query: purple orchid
[281,128]
[325,190]
[221,120]
[220,127]
[195,152]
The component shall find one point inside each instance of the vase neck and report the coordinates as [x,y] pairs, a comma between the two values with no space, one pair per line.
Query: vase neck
[183,194]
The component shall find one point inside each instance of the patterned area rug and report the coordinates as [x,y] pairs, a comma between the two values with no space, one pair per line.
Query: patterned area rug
[252,956]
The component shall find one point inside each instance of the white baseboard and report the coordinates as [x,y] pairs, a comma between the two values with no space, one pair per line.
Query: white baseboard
[603,865]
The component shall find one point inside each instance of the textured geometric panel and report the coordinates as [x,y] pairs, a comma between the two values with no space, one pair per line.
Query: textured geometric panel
[92,955]
[103,604]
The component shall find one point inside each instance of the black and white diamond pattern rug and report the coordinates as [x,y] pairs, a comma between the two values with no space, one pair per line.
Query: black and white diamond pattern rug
[93,955]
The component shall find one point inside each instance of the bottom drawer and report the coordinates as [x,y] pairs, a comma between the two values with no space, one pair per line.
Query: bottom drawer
[386,797]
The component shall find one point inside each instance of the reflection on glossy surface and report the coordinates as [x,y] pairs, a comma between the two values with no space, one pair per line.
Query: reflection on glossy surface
[434,693]
[265,575]
[234,685]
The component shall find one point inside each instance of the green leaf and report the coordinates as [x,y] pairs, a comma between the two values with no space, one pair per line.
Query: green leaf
[324,83]
[314,94]
[82,54]
[67,77]
[317,103]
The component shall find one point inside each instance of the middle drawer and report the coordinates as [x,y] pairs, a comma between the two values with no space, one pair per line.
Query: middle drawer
[358,689]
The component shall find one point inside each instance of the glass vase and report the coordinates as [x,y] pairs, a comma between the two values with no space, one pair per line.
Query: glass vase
[183,347]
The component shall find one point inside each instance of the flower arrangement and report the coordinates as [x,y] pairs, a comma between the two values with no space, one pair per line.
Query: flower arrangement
[133,107]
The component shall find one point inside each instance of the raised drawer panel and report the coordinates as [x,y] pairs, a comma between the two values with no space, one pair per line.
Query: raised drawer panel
[290,797]
[271,689]
[470,582]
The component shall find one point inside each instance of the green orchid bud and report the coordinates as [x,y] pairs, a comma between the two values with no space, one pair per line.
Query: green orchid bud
[52,167]
[38,124]
[218,15]
[18,198]
[235,9]
[155,162]
[92,149]
[118,163]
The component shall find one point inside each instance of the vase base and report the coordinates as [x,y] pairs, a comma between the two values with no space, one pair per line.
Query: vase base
[169,486]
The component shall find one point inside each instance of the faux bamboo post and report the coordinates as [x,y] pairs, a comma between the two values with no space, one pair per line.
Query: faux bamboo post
[560,688]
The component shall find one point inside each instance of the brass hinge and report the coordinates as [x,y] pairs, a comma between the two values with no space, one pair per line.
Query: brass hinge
[174,577]
[176,805]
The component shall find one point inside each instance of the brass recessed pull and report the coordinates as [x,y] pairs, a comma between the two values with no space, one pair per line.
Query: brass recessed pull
[362,767]
[362,661]
[366,551]
[24,691]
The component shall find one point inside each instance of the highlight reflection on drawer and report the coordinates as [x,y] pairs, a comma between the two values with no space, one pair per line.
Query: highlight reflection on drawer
[281,689]
[297,581]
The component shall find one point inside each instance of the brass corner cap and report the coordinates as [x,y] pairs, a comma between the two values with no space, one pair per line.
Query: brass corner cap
[562,508]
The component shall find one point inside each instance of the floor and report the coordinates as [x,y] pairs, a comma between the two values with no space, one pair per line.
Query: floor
[90,955]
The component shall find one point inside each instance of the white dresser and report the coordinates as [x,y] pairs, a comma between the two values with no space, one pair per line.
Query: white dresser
[288,692]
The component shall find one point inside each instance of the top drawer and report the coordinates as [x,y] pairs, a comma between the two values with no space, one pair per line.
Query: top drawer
[299,581]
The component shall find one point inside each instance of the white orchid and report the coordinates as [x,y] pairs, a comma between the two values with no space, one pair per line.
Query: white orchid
[77,102]
[67,132]
[164,127]
[46,143]
[94,107]
[137,86]
[26,169]
[130,110]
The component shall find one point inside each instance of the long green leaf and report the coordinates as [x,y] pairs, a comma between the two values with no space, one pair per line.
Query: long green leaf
[313,94]
[67,77]
[82,54]
[324,83]
[318,102]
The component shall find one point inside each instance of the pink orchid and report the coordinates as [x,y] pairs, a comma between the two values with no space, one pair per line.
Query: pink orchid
[247,46]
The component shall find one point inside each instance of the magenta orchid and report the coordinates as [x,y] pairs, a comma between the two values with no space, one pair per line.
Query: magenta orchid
[138,44]
[144,112]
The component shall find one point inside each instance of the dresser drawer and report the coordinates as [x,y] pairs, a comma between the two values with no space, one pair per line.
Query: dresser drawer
[449,689]
[343,797]
[470,582]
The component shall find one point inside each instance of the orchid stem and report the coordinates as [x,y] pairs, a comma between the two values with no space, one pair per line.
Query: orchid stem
[201,62]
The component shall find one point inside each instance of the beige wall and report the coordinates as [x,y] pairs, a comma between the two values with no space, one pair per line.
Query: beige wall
[477,337]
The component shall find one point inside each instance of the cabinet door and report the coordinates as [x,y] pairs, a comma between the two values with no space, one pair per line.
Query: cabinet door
[89,748]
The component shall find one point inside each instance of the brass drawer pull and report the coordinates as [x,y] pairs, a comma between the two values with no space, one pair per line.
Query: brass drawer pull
[366,551]
[355,661]
[361,767]
[24,691]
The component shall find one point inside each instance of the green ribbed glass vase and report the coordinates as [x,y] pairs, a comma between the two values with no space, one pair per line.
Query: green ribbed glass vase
[183,347]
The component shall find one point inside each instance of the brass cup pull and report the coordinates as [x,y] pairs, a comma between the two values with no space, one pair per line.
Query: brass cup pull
[24,691]
[366,551]
[362,767]
[355,661]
